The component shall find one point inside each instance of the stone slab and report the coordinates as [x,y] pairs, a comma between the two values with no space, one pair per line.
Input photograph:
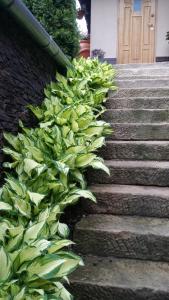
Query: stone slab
[120,279]
[123,236]
[129,200]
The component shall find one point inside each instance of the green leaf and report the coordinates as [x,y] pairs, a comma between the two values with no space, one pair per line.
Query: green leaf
[5,269]
[23,207]
[86,194]
[63,230]
[34,231]
[5,206]
[97,164]
[99,142]
[45,267]
[57,245]
[29,165]
[84,160]
[36,198]
[20,296]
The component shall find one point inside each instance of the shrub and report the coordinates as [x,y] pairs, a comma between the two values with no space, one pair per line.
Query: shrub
[46,175]
[59,19]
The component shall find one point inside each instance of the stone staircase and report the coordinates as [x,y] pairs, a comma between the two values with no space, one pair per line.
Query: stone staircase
[125,237]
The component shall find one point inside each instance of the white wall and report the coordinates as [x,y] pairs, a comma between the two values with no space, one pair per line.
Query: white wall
[104,26]
[162,46]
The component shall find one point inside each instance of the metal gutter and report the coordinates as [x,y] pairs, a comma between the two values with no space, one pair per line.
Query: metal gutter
[25,18]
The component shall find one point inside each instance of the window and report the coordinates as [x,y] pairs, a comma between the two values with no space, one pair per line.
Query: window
[137,5]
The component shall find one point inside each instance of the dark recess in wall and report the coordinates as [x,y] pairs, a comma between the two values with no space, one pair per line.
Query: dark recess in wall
[25,69]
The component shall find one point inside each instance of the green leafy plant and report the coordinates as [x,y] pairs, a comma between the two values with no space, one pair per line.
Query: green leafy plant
[46,175]
[59,19]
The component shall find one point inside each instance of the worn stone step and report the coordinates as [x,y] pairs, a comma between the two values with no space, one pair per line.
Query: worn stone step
[136,150]
[142,66]
[135,172]
[131,200]
[140,92]
[138,103]
[137,115]
[123,236]
[120,279]
[140,131]
[142,83]
[143,75]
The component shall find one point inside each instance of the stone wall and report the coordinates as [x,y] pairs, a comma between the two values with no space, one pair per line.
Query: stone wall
[25,69]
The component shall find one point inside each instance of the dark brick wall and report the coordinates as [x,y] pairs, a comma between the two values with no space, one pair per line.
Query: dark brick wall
[24,71]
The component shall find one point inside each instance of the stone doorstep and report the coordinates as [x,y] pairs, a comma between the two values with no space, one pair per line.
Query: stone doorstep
[129,200]
[120,279]
[123,236]
[135,150]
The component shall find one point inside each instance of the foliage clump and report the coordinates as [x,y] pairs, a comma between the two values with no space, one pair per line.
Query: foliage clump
[46,175]
[59,19]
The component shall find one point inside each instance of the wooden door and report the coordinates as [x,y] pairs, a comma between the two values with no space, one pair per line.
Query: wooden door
[136,31]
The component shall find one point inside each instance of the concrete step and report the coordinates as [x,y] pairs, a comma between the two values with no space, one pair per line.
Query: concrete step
[136,150]
[142,83]
[138,103]
[137,115]
[135,172]
[140,92]
[123,236]
[140,131]
[147,201]
[120,279]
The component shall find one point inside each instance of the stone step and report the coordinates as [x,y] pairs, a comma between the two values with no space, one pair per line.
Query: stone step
[137,115]
[138,103]
[147,201]
[140,92]
[120,279]
[142,75]
[148,72]
[136,150]
[123,236]
[135,172]
[142,83]
[140,131]
[140,66]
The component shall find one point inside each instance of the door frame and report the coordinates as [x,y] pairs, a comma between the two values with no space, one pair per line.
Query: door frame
[118,30]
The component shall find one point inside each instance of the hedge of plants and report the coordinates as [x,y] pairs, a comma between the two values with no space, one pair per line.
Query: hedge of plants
[59,19]
[46,174]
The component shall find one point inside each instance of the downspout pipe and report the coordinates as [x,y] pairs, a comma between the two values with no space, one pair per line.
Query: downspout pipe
[28,22]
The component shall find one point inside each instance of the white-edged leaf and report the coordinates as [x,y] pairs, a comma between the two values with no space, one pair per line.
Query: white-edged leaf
[29,165]
[97,164]
[84,160]
[5,265]
[63,230]
[57,245]
[86,194]
[36,198]
[5,206]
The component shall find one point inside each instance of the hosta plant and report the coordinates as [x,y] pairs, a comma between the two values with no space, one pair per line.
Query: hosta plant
[46,174]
